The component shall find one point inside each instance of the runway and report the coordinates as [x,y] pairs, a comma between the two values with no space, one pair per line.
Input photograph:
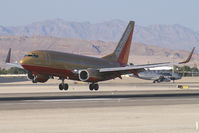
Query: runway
[119,106]
[52,100]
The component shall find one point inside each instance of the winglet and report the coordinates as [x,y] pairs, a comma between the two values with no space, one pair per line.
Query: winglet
[8,56]
[189,57]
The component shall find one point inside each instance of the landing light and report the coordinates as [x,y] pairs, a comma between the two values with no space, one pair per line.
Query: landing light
[75,71]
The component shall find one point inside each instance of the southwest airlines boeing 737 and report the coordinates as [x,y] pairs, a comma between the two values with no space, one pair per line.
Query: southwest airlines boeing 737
[44,64]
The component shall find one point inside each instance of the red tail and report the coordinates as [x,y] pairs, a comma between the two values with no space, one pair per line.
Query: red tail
[8,56]
[121,53]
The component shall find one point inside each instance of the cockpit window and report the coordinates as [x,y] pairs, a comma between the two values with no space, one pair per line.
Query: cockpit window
[32,55]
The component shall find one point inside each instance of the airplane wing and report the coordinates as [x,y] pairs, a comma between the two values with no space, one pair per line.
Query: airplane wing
[11,64]
[134,67]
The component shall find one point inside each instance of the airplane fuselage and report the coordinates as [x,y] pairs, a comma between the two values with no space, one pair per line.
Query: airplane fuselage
[60,64]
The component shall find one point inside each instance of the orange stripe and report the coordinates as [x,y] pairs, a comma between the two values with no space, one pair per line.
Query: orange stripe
[124,55]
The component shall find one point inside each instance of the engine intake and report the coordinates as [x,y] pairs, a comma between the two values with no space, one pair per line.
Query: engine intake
[83,75]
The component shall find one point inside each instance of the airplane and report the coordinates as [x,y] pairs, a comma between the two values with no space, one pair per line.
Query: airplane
[42,65]
[157,76]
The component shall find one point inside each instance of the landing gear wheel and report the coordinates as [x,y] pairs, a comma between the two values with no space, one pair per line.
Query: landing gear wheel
[93,87]
[65,86]
[61,87]
[96,87]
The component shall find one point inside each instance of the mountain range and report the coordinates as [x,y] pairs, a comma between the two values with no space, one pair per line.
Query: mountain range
[166,36]
[139,54]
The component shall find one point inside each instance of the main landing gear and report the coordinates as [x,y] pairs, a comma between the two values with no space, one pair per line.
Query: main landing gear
[63,86]
[94,86]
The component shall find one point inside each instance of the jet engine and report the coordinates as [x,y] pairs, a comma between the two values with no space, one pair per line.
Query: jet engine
[83,75]
[87,74]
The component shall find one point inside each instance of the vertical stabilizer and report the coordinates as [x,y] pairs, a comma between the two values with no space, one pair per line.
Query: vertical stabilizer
[8,56]
[121,53]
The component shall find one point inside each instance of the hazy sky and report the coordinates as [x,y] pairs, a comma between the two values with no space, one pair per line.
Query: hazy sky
[144,12]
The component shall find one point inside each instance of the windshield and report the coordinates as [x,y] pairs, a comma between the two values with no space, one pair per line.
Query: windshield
[32,55]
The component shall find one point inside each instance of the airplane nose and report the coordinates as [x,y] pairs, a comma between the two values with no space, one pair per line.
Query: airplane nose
[24,61]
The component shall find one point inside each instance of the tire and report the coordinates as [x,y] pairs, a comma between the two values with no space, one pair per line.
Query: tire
[65,87]
[91,87]
[61,87]
[96,87]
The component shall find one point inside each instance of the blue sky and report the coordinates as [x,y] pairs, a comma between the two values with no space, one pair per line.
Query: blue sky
[144,12]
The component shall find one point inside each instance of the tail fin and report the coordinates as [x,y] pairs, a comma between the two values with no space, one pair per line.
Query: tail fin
[121,53]
[8,56]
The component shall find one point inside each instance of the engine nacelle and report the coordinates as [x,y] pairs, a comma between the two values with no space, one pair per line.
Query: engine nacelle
[89,75]
[83,75]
